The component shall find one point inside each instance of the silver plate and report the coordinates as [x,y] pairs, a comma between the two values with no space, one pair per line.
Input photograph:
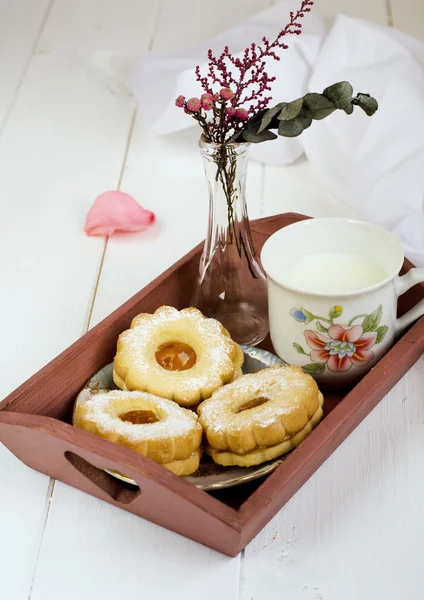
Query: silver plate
[209,476]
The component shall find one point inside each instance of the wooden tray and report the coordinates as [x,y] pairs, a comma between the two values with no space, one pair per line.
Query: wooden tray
[35,424]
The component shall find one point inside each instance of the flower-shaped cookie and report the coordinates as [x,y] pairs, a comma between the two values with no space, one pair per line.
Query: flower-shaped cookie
[152,426]
[179,355]
[260,416]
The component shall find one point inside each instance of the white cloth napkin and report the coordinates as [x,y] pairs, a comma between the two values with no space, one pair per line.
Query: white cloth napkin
[375,165]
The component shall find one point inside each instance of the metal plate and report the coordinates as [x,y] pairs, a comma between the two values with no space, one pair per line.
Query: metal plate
[209,476]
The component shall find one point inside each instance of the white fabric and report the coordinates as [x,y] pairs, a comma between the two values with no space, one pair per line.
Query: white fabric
[375,165]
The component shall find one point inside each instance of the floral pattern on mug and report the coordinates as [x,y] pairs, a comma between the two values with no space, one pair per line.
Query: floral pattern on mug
[338,347]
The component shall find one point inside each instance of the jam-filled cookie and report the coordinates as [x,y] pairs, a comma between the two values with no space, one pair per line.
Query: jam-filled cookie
[260,416]
[152,426]
[179,355]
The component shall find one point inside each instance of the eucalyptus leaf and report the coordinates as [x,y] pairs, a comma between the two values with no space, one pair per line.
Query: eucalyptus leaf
[257,117]
[318,106]
[314,368]
[294,127]
[291,110]
[256,138]
[381,332]
[339,94]
[292,118]
[372,321]
[368,104]
[321,327]
[270,115]
[252,124]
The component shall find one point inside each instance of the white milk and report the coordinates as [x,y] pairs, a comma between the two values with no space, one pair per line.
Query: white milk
[332,272]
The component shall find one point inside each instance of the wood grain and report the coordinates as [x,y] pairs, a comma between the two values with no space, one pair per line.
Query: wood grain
[368,538]
[62,144]
[36,411]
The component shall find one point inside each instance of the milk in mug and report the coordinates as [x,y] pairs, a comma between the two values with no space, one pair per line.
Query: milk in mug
[332,272]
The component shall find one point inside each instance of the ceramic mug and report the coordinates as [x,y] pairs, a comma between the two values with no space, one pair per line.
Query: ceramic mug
[336,337]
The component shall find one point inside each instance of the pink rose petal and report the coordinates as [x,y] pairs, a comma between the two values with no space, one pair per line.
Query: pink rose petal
[117,211]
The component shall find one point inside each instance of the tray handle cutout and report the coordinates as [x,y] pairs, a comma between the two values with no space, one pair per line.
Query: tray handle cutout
[119,491]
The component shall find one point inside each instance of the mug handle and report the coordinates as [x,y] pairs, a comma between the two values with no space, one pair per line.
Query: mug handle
[402,284]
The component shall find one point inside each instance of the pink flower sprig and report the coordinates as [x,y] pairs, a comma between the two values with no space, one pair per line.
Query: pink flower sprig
[243,83]
[225,116]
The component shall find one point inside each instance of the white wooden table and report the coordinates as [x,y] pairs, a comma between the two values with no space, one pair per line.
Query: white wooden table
[69,130]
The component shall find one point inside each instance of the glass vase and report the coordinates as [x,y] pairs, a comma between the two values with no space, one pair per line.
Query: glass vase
[232,285]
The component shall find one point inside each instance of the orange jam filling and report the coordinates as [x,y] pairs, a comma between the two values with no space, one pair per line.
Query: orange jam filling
[176,356]
[139,417]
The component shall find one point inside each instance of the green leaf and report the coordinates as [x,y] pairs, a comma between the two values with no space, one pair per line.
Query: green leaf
[318,106]
[270,115]
[314,368]
[371,322]
[368,104]
[257,138]
[292,118]
[252,124]
[381,332]
[339,94]
[294,127]
[257,118]
[299,349]
[309,316]
[335,311]
[348,109]
[291,110]
[321,328]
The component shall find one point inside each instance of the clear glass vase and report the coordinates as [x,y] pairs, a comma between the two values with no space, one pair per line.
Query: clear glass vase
[232,284]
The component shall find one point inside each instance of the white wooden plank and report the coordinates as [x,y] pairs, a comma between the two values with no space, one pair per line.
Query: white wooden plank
[83,36]
[22,518]
[186,24]
[165,175]
[356,528]
[23,494]
[63,144]
[339,537]
[67,134]
[20,25]
[408,16]
[92,550]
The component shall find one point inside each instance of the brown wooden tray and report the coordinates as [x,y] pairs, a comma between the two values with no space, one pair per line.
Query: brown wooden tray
[35,424]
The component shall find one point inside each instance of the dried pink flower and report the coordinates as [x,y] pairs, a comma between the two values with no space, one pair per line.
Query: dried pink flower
[242,114]
[180,101]
[241,81]
[194,105]
[207,97]
[226,93]
[207,103]
[231,111]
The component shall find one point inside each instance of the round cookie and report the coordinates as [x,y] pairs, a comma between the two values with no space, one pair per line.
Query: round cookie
[179,355]
[185,467]
[152,426]
[260,416]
